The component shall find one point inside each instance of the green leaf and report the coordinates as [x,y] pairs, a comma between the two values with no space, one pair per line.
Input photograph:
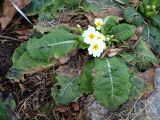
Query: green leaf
[137,86]
[123,31]
[38,6]
[73,3]
[69,90]
[142,84]
[152,36]
[142,56]
[96,6]
[132,16]
[3,113]
[109,22]
[86,79]
[145,55]
[111,83]
[7,106]
[156,21]
[23,64]
[53,45]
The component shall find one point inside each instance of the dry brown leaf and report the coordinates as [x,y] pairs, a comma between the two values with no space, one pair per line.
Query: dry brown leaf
[81,18]
[111,52]
[66,58]
[148,76]
[133,41]
[149,79]
[75,106]
[61,109]
[23,34]
[108,12]
[9,10]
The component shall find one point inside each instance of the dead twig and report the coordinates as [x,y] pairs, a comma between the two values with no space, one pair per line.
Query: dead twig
[10,38]
[133,107]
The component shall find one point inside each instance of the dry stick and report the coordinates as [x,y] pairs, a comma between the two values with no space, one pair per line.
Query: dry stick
[26,101]
[140,112]
[6,37]
[133,107]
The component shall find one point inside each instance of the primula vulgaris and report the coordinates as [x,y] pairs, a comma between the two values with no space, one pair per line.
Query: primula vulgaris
[95,39]
[90,35]
[98,22]
[100,36]
[96,48]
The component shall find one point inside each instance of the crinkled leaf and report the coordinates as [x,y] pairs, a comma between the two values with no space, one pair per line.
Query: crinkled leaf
[53,45]
[7,107]
[109,22]
[69,90]
[86,79]
[23,64]
[38,6]
[96,6]
[111,83]
[152,36]
[123,31]
[156,21]
[142,84]
[137,86]
[73,3]
[132,16]
[142,56]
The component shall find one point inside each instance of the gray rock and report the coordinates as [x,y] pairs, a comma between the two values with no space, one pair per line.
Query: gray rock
[96,111]
[149,109]
[152,103]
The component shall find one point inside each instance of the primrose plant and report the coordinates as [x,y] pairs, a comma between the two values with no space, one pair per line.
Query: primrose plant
[107,78]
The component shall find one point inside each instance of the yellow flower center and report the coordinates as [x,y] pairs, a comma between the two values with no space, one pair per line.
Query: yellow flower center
[95,47]
[98,23]
[91,36]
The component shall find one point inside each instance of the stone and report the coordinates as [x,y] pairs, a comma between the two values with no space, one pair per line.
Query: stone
[149,109]
[96,111]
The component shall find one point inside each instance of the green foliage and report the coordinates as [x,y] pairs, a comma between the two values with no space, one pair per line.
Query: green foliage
[109,22]
[3,113]
[152,36]
[67,90]
[73,3]
[86,78]
[23,63]
[6,108]
[96,6]
[123,31]
[132,16]
[137,86]
[142,56]
[141,85]
[36,54]
[111,83]
[156,21]
[53,45]
[38,6]
[149,7]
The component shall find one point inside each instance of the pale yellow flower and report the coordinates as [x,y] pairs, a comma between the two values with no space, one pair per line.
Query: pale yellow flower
[90,35]
[96,48]
[98,22]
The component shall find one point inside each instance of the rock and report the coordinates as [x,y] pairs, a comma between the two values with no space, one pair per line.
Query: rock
[151,105]
[96,111]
